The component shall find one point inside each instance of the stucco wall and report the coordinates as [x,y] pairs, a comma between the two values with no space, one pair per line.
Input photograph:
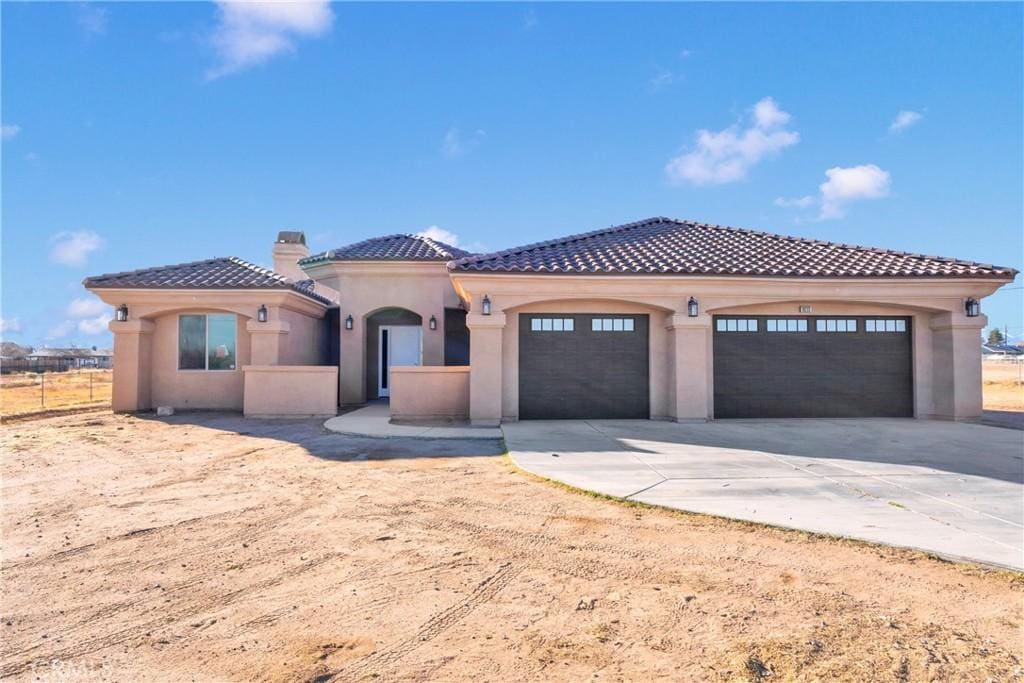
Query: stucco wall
[945,343]
[194,389]
[430,392]
[146,371]
[302,345]
[368,287]
[290,390]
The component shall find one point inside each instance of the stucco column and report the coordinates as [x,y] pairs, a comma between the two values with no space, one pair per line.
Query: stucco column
[433,340]
[266,340]
[956,370]
[132,360]
[485,364]
[352,358]
[690,353]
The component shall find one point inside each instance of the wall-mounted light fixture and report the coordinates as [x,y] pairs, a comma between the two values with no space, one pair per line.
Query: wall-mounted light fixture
[691,308]
[433,323]
[972,307]
[485,305]
[349,322]
[261,314]
[122,313]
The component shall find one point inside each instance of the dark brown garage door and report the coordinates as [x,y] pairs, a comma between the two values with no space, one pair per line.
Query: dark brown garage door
[576,366]
[849,366]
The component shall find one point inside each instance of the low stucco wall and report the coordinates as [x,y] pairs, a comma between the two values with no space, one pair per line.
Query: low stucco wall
[290,390]
[430,392]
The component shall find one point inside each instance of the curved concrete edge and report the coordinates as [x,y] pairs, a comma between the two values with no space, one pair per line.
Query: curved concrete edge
[942,556]
[373,422]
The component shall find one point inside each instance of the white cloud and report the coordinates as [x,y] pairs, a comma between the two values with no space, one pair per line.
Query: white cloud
[441,235]
[9,130]
[798,202]
[456,145]
[530,20]
[904,120]
[250,33]
[10,325]
[94,326]
[74,248]
[87,307]
[61,330]
[725,156]
[846,185]
[92,19]
[662,79]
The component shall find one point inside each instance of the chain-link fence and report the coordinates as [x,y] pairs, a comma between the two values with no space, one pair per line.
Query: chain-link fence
[30,392]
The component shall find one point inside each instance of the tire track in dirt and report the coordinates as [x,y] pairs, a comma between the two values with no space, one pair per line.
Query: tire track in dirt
[134,632]
[436,625]
[231,538]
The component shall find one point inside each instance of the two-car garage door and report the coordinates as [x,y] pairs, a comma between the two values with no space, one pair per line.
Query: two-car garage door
[580,366]
[849,366]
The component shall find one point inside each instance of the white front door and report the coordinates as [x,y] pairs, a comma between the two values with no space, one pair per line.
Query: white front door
[397,345]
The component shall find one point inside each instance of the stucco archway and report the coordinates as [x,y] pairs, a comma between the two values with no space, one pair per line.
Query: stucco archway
[391,315]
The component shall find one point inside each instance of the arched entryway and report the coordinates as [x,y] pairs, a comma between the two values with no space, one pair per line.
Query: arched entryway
[394,336]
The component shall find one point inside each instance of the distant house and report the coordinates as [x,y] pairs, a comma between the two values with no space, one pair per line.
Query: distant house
[23,359]
[993,351]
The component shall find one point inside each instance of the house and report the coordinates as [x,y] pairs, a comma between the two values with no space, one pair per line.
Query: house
[659,319]
[50,359]
[1001,351]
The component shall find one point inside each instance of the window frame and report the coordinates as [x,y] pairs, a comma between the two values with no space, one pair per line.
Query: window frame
[730,325]
[822,326]
[206,343]
[786,321]
[870,323]
[568,324]
[626,323]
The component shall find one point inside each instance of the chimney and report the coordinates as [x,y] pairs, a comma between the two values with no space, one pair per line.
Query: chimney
[288,249]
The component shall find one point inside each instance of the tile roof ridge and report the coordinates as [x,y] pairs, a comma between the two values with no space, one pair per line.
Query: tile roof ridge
[260,269]
[848,245]
[152,269]
[476,258]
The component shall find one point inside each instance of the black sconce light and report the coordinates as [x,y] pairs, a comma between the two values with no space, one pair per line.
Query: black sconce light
[433,323]
[972,307]
[485,305]
[122,313]
[348,323]
[261,314]
[692,308]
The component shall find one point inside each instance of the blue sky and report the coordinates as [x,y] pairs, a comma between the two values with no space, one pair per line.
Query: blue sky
[141,134]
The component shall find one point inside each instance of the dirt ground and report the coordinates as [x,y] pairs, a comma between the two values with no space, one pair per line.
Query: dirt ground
[1002,387]
[214,548]
[21,393]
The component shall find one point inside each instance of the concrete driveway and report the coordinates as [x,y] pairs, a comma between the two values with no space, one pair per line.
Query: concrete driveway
[956,490]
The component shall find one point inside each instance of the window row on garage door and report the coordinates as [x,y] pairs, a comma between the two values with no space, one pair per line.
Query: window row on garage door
[579,366]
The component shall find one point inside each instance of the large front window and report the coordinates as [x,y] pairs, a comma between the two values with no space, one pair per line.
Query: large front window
[206,342]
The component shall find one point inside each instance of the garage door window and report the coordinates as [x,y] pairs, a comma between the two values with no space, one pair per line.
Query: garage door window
[836,325]
[787,325]
[611,325]
[551,325]
[732,325]
[885,325]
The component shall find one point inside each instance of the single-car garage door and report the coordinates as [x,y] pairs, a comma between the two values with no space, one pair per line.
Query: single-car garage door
[578,366]
[808,366]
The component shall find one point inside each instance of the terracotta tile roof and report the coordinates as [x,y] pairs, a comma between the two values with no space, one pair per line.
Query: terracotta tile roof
[216,273]
[391,248]
[673,247]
